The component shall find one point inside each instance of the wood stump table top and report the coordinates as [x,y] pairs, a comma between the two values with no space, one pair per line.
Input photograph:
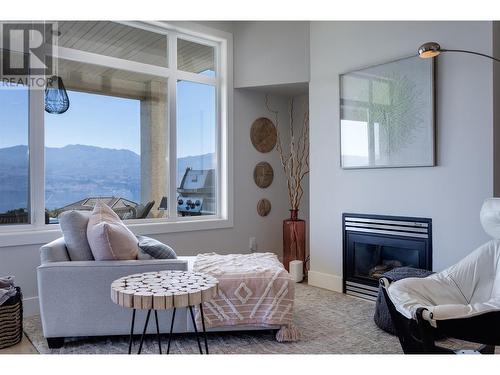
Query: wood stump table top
[163,290]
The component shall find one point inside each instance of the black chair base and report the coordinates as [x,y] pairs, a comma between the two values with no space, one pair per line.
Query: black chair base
[419,337]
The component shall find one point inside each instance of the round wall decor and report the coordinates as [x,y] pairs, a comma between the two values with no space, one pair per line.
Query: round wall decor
[263,174]
[263,207]
[263,134]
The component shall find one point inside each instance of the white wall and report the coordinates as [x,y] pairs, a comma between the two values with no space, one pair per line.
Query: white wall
[451,193]
[270,53]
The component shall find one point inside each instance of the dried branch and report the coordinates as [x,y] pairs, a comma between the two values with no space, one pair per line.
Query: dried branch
[295,157]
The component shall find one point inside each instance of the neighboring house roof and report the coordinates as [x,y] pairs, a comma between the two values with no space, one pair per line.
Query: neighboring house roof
[89,203]
[197,181]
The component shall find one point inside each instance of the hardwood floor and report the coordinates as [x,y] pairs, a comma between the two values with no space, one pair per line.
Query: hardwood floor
[24,347]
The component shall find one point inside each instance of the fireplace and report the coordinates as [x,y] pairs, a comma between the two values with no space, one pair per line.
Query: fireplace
[374,244]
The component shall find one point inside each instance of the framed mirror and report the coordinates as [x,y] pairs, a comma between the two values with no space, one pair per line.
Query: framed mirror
[387,115]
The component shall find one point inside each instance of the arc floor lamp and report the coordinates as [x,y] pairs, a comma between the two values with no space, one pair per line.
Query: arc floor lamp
[432,49]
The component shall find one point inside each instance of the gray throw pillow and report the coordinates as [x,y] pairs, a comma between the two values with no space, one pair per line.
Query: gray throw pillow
[74,228]
[155,249]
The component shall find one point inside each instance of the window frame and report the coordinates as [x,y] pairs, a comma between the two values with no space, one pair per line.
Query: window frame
[38,232]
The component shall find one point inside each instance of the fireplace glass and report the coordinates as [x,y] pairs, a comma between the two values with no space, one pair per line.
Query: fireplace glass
[371,261]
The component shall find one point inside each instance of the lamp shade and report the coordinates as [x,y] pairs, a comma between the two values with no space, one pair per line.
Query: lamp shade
[56,97]
[429,49]
[490,217]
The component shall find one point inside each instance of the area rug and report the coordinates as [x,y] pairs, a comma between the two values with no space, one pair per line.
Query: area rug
[330,323]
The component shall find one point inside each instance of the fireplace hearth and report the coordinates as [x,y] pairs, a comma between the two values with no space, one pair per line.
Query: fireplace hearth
[375,244]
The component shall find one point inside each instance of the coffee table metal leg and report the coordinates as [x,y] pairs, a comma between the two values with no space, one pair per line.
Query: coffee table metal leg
[171,329]
[195,329]
[158,331]
[131,338]
[144,331]
[204,329]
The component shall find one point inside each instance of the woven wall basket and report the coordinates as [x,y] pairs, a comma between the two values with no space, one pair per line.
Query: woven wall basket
[11,320]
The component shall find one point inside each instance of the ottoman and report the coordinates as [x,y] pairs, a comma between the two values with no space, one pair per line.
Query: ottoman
[382,316]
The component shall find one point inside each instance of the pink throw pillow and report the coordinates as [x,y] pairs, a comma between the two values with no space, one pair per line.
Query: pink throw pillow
[108,237]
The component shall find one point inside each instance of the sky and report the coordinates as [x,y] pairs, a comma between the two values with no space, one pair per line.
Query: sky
[112,122]
[14,119]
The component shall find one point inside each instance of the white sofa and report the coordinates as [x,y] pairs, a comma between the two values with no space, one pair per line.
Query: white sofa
[75,296]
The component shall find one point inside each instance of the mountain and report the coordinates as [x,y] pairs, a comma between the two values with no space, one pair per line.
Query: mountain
[14,172]
[74,172]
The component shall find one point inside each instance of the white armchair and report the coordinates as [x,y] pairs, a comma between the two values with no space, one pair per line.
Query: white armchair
[462,301]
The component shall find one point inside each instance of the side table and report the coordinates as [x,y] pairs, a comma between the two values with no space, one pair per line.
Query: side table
[164,290]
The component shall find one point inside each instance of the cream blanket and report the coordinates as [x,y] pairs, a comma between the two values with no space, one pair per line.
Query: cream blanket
[254,289]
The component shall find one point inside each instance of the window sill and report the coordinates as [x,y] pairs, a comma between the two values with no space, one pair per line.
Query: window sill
[31,235]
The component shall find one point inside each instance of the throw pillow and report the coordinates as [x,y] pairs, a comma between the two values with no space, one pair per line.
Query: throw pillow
[74,229]
[155,249]
[142,255]
[108,237]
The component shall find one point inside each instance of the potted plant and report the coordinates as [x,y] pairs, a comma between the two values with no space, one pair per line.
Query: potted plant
[294,158]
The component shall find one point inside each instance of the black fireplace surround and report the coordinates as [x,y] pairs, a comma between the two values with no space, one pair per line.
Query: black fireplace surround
[374,244]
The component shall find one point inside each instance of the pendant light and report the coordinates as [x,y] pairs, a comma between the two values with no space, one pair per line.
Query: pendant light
[56,97]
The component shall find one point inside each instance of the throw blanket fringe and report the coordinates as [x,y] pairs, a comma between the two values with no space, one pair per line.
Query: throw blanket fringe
[288,333]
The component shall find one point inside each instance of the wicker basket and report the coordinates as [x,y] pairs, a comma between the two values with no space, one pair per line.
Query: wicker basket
[11,320]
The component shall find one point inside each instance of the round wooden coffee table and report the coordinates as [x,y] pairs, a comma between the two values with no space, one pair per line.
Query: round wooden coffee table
[164,290]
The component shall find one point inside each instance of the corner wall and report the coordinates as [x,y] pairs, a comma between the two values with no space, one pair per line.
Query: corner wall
[270,53]
[450,193]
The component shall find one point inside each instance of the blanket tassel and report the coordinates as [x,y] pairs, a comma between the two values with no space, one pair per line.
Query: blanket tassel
[288,333]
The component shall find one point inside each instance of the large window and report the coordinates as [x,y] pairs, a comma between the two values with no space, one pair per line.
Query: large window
[143,131]
[14,155]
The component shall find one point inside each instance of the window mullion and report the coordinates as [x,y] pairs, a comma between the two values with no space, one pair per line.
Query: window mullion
[198,78]
[218,139]
[172,126]
[223,133]
[37,156]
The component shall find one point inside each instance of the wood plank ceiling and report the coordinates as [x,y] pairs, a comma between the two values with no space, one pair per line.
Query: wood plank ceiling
[130,43]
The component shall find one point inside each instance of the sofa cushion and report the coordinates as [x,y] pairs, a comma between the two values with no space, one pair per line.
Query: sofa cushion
[155,249]
[108,237]
[55,251]
[74,228]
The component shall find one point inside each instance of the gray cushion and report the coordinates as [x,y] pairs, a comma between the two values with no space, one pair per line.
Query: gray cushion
[54,251]
[74,228]
[155,249]
[382,316]
[142,255]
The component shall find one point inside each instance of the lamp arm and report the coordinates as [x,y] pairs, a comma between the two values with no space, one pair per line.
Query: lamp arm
[470,52]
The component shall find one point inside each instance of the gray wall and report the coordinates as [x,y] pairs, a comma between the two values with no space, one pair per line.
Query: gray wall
[451,193]
[270,53]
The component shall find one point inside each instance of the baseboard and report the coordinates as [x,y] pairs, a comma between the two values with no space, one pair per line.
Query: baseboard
[325,281]
[31,306]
